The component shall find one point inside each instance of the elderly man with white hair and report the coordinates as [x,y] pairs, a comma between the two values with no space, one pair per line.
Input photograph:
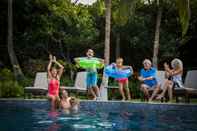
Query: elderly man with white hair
[148,80]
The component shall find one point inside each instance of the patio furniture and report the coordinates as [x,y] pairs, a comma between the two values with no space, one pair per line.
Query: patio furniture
[80,83]
[40,86]
[190,87]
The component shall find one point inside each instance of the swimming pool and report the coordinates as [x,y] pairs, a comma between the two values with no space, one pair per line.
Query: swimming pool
[34,115]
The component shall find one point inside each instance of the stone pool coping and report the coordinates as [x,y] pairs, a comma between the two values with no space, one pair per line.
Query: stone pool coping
[100,101]
[100,106]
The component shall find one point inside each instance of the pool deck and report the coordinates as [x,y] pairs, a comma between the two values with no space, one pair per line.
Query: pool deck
[101,106]
[100,101]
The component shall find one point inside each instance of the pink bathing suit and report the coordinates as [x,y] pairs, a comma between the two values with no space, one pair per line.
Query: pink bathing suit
[54,87]
[122,80]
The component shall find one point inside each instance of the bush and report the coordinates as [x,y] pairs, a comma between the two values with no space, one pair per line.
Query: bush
[28,81]
[10,89]
[65,81]
[6,74]
[8,86]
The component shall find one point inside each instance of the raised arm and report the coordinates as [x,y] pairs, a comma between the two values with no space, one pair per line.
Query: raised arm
[49,66]
[60,72]
[101,60]
[128,67]
[76,60]
[176,72]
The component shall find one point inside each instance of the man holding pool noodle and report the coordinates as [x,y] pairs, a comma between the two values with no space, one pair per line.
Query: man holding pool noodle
[91,69]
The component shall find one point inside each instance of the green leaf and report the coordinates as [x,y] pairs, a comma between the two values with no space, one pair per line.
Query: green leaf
[184,14]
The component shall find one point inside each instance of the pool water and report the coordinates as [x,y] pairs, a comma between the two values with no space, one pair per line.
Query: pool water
[95,116]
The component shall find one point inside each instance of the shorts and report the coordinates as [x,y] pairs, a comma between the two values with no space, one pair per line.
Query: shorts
[150,85]
[122,80]
[91,79]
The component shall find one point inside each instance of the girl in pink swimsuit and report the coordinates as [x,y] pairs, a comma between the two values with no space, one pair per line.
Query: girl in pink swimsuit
[123,82]
[54,76]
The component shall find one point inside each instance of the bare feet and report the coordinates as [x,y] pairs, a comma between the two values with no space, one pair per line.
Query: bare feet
[159,97]
[129,98]
[150,100]
[123,99]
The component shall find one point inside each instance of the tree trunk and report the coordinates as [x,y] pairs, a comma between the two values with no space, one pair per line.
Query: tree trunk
[118,45]
[103,89]
[157,33]
[16,67]
[107,31]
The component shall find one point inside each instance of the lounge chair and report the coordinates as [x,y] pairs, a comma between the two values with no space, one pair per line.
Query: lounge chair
[80,83]
[40,85]
[190,87]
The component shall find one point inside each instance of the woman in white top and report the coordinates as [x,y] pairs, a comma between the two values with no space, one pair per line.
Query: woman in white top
[174,76]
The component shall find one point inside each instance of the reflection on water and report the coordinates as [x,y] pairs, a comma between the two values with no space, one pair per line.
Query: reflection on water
[41,119]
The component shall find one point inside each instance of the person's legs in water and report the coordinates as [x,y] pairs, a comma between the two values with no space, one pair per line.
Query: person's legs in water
[121,90]
[126,84]
[52,98]
[144,89]
[155,92]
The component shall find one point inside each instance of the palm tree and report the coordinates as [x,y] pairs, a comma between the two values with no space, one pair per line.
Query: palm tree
[157,34]
[104,84]
[16,67]
[120,15]
[184,15]
[107,31]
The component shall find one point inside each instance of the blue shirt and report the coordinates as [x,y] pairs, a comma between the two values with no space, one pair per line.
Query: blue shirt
[149,73]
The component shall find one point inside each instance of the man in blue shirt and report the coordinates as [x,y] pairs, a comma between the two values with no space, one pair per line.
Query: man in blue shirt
[149,80]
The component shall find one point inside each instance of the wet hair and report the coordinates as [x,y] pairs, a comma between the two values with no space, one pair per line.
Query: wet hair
[177,63]
[74,101]
[61,93]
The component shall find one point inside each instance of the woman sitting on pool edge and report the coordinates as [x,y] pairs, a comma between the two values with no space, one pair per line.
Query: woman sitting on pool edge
[68,103]
[174,78]
[54,76]
[148,79]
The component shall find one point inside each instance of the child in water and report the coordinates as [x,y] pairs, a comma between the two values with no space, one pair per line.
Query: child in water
[68,103]
[123,82]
